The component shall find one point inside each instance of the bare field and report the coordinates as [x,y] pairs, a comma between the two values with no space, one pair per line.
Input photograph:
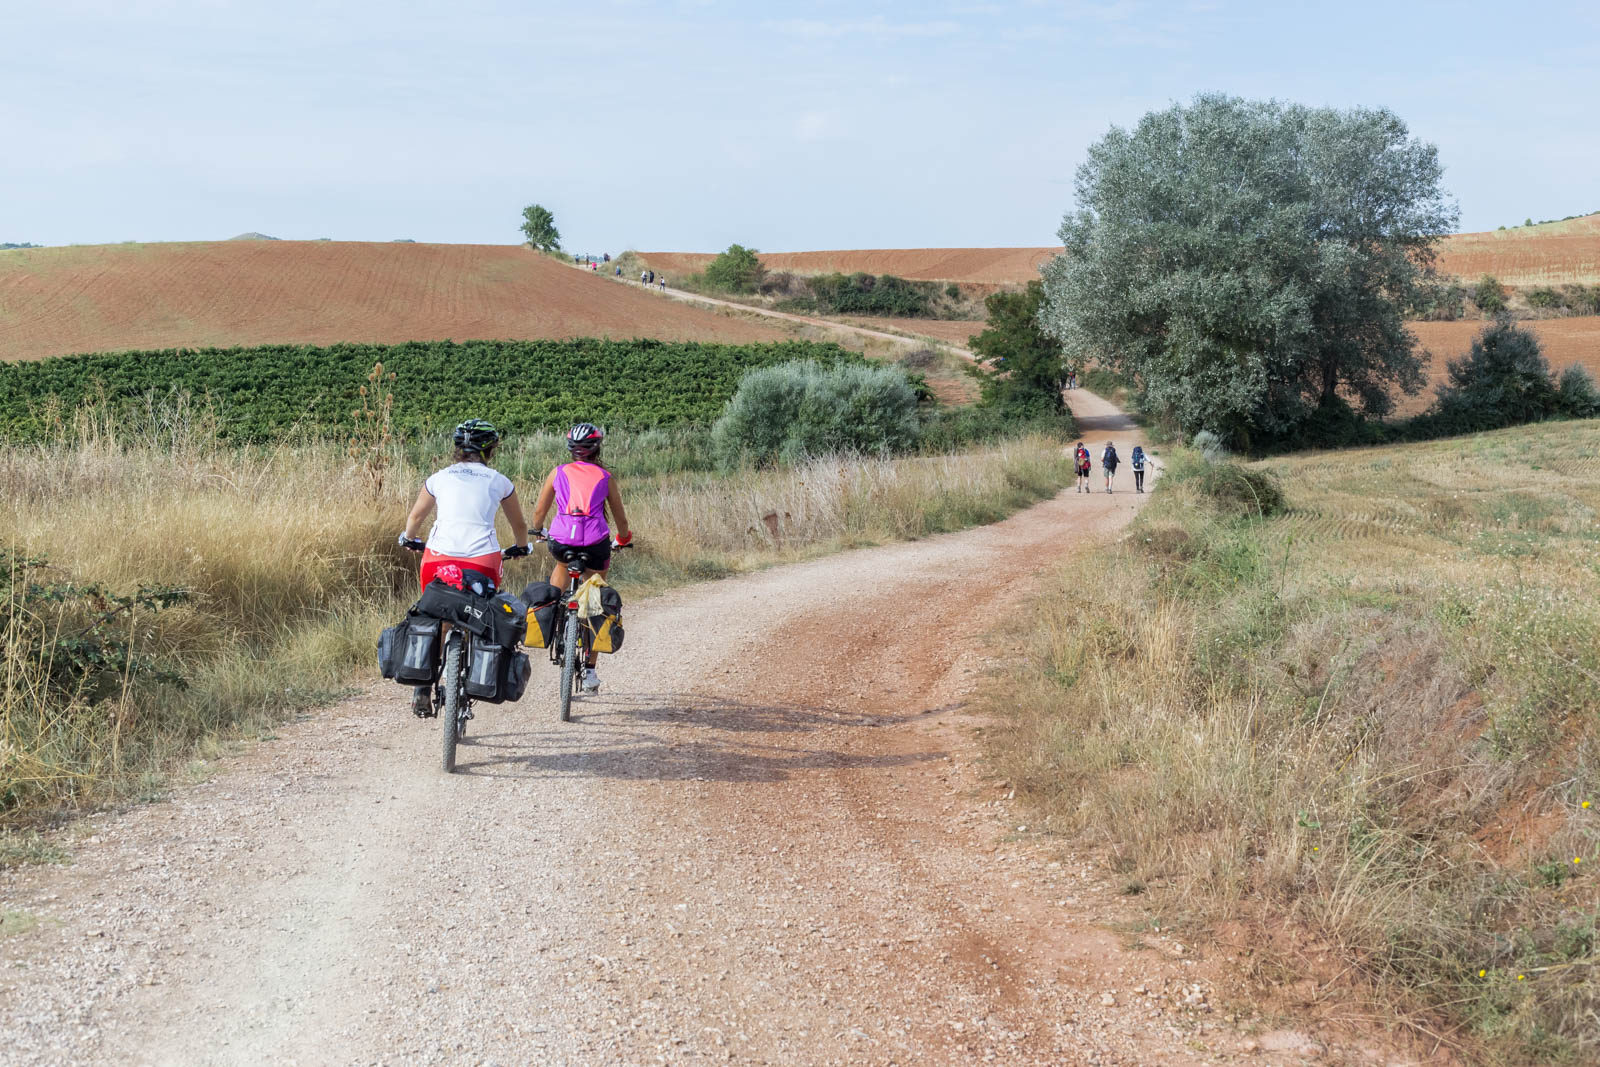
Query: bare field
[58,301]
[1565,341]
[1528,256]
[994,266]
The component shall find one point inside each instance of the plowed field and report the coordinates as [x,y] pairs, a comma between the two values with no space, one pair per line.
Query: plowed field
[58,301]
[1565,341]
[1554,253]
[989,265]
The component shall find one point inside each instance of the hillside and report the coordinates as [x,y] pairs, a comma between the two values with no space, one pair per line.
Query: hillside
[988,266]
[1550,253]
[58,301]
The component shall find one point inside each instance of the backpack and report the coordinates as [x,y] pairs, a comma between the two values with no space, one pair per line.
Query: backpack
[1108,458]
[1138,458]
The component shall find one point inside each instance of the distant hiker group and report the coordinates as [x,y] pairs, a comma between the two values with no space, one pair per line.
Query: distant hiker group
[1109,462]
[647,278]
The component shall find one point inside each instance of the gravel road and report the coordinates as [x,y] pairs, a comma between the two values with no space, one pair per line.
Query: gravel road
[768,840]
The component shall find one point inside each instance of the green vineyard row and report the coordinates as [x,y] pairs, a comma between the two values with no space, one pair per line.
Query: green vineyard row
[271,392]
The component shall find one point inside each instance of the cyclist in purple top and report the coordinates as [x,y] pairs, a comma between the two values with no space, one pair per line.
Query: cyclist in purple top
[580,492]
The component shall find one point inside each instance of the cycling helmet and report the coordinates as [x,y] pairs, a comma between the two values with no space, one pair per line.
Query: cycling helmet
[584,440]
[477,435]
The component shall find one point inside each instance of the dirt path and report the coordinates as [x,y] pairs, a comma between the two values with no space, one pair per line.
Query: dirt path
[903,339]
[766,841]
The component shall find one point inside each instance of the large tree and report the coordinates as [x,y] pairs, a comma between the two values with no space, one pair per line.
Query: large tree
[539,227]
[1248,262]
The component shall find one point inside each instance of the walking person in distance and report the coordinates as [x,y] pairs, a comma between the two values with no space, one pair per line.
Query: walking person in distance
[1137,462]
[1108,463]
[1080,463]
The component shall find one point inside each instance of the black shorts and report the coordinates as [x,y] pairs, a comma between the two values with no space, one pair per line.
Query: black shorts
[595,557]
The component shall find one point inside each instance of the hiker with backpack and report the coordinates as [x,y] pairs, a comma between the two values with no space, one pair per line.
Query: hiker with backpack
[1080,462]
[1137,461]
[1108,463]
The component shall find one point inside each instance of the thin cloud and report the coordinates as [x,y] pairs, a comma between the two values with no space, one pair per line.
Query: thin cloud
[873,27]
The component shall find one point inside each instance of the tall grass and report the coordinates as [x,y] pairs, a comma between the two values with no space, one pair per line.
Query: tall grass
[289,553]
[1375,714]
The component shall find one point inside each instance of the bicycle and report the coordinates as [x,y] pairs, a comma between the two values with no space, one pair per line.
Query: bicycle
[450,701]
[569,634]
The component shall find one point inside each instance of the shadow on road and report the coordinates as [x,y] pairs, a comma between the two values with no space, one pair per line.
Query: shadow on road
[675,738]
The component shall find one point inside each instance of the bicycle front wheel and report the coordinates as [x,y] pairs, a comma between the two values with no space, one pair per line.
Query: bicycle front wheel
[454,698]
[571,652]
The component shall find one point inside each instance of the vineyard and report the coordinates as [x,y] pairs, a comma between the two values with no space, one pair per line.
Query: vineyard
[272,392]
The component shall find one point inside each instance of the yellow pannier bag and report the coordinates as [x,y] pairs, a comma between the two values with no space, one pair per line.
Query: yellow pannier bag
[600,609]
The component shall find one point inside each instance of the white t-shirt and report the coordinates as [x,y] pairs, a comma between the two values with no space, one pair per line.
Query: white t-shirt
[467,495]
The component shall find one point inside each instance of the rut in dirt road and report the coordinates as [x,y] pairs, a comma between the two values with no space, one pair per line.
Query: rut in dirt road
[765,841]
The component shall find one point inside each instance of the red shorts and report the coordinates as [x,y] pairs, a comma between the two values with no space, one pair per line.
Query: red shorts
[489,564]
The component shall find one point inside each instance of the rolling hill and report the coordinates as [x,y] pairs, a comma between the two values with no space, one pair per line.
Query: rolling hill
[99,298]
[1550,253]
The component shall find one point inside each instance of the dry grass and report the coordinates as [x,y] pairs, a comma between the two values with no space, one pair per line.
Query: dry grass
[1376,715]
[290,557]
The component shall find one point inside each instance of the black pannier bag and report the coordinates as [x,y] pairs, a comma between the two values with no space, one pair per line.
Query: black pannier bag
[538,594]
[417,662]
[542,633]
[470,612]
[509,616]
[390,642]
[606,631]
[495,674]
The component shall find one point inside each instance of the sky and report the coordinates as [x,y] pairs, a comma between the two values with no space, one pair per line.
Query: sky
[692,124]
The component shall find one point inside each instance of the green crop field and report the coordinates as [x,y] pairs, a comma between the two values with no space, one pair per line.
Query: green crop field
[272,392]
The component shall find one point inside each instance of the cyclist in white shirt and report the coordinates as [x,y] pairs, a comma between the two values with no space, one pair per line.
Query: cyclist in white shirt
[467,494]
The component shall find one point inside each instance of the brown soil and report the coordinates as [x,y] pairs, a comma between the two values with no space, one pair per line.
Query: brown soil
[57,301]
[950,331]
[1554,253]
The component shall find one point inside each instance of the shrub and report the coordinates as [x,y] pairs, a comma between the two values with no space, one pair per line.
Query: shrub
[803,410]
[1576,395]
[870,294]
[1232,488]
[1583,299]
[1489,295]
[953,291]
[735,271]
[1543,297]
[1503,380]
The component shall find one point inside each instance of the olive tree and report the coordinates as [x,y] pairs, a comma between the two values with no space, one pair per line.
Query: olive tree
[1249,262]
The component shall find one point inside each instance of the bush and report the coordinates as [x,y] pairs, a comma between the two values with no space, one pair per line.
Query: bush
[1543,297]
[803,410]
[1576,395]
[949,429]
[1489,295]
[1231,487]
[1503,380]
[869,294]
[735,271]
[1583,299]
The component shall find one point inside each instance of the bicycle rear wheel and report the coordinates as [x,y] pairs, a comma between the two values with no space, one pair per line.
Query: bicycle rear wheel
[571,652]
[454,698]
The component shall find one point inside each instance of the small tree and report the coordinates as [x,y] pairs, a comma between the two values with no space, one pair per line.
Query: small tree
[1489,295]
[798,411]
[736,271]
[1503,380]
[1020,366]
[539,227]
